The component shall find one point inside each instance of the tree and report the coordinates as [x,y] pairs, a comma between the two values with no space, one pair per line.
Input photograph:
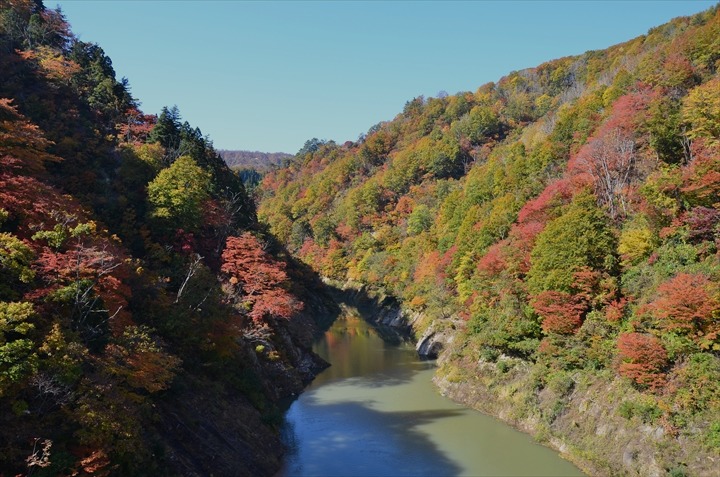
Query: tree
[688,305]
[701,111]
[177,194]
[17,356]
[15,260]
[579,238]
[22,144]
[642,359]
[84,276]
[610,157]
[97,83]
[257,279]
[166,132]
[561,312]
[138,359]
[419,220]
[310,146]
[480,125]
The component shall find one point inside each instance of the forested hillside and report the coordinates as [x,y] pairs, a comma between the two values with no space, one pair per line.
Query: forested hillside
[558,232]
[148,324]
[259,161]
[250,166]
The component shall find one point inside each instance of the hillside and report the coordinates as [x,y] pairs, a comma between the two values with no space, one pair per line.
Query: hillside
[148,323]
[258,161]
[555,235]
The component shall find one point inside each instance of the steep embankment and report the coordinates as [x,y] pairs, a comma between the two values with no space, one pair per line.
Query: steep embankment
[148,324]
[559,231]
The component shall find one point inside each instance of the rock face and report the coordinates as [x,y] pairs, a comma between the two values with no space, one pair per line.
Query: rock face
[429,345]
[204,427]
[203,433]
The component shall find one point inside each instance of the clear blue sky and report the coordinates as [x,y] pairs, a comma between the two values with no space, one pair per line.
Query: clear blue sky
[269,75]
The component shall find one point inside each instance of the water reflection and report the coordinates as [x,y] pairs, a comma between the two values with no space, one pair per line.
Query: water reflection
[374,412]
[354,349]
[342,439]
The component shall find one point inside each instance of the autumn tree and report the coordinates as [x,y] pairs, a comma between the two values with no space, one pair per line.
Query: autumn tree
[138,359]
[579,238]
[559,311]
[258,279]
[22,144]
[701,110]
[177,194]
[611,155]
[688,304]
[643,359]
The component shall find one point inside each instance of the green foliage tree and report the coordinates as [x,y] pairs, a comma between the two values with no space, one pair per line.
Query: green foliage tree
[167,129]
[480,125]
[177,194]
[419,220]
[15,264]
[17,351]
[580,237]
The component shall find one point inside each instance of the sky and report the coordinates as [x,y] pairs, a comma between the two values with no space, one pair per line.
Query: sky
[269,75]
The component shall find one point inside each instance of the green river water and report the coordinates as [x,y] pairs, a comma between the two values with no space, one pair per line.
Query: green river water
[375,412]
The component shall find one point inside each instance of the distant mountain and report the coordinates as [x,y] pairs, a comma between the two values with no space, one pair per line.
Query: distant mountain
[260,161]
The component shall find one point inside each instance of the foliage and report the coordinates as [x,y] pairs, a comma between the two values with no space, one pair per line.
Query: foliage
[688,305]
[112,227]
[17,350]
[177,194]
[700,111]
[258,279]
[560,312]
[566,215]
[642,359]
[580,237]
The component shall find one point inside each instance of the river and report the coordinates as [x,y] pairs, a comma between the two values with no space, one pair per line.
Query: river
[375,412]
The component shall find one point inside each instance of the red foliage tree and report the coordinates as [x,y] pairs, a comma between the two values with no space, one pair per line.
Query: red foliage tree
[701,178]
[136,127]
[608,160]
[91,275]
[493,262]
[540,208]
[616,309]
[642,359]
[561,312]
[259,278]
[702,223]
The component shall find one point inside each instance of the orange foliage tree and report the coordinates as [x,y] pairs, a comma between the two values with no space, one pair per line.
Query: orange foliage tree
[22,144]
[687,305]
[642,359]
